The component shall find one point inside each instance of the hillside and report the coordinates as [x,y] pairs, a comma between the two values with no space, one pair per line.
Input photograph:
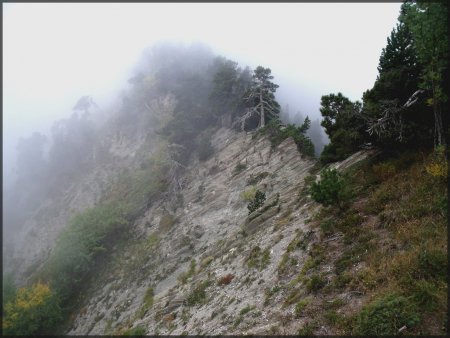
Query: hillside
[209,267]
[190,206]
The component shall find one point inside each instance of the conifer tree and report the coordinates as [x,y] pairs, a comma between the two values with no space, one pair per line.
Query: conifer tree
[261,98]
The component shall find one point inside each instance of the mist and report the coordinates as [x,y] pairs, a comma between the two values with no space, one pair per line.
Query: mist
[56,53]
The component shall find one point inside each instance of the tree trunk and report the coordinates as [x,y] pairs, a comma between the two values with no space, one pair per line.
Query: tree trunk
[262,122]
[438,128]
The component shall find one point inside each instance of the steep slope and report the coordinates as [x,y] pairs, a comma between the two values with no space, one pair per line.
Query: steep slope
[27,249]
[236,255]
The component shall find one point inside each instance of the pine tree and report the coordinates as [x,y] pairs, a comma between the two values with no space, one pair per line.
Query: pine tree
[261,98]
[428,24]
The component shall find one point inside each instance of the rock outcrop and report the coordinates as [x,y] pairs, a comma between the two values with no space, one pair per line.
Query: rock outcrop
[236,255]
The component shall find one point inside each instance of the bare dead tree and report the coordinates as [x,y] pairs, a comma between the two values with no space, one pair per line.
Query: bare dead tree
[391,120]
[175,177]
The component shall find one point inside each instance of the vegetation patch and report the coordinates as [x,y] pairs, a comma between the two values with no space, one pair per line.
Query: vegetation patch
[225,280]
[331,189]
[385,316]
[147,303]
[254,180]
[249,194]
[256,202]
[240,167]
[31,310]
[299,307]
[258,258]
[184,276]
[198,294]
[269,292]
[136,331]
[315,283]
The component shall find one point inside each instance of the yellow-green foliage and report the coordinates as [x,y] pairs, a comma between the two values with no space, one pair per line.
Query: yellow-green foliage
[249,194]
[34,310]
[438,165]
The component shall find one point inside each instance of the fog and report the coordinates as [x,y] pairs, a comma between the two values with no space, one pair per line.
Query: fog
[55,53]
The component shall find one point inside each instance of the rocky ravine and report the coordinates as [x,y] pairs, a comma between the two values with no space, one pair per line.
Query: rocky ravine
[213,228]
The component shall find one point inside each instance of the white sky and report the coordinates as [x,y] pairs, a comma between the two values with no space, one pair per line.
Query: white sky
[55,53]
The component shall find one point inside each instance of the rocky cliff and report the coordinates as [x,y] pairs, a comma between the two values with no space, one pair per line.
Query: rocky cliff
[209,262]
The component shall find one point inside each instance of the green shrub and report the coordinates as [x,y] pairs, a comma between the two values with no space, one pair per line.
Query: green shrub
[239,168]
[258,258]
[136,331]
[278,134]
[327,227]
[432,264]
[427,295]
[198,294]
[147,303]
[330,190]
[385,316]
[257,202]
[86,237]
[315,283]
[34,310]
[300,306]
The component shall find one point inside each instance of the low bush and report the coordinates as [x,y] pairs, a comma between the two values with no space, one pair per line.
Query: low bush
[87,236]
[34,310]
[239,168]
[315,283]
[147,303]
[198,294]
[330,190]
[257,202]
[433,264]
[300,306]
[258,258]
[136,331]
[385,316]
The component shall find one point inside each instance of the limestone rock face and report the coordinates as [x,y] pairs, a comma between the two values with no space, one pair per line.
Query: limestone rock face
[212,227]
